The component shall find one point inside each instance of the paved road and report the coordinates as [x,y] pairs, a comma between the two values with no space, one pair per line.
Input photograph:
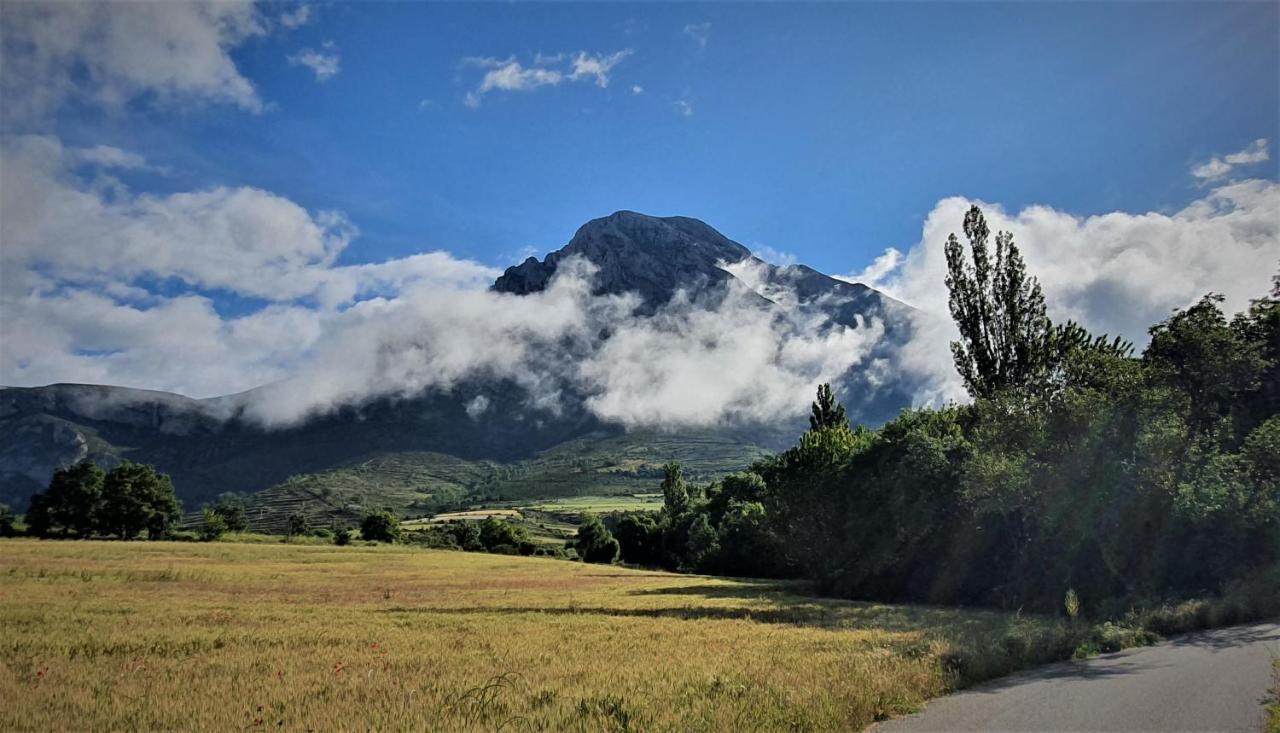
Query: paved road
[1211,681]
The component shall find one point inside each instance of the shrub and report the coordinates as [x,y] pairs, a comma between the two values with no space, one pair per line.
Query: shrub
[214,525]
[7,528]
[495,533]
[341,536]
[298,524]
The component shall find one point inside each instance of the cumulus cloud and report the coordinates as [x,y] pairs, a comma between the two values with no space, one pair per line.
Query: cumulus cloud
[1218,167]
[77,249]
[324,64]
[509,75]
[1115,273]
[112,53]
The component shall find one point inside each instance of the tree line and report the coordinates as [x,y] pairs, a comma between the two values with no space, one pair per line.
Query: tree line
[1077,467]
[84,501]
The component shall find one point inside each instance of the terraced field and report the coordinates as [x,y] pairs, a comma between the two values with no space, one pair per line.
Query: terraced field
[603,473]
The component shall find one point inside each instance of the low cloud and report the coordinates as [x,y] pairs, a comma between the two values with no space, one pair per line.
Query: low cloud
[667,369]
[1219,167]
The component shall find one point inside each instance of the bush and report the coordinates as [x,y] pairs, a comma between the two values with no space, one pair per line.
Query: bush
[214,526]
[382,526]
[496,533]
[297,524]
[341,536]
[7,520]
[230,507]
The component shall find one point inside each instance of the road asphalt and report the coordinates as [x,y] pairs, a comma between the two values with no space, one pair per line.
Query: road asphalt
[1215,680]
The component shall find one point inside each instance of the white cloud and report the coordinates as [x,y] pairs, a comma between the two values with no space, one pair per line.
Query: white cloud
[243,240]
[107,156]
[1218,167]
[325,65]
[112,53]
[666,370]
[74,248]
[1115,273]
[776,256]
[684,105]
[877,270]
[637,89]
[596,67]
[297,17]
[509,75]
[699,32]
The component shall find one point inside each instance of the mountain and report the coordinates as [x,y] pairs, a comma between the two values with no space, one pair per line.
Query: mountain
[429,452]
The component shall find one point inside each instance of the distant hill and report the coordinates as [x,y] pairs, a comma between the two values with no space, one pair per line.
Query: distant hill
[426,453]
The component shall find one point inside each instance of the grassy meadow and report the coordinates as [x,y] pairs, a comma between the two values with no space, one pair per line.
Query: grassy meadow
[156,635]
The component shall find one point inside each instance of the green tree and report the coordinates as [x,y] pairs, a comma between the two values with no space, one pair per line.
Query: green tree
[380,526]
[639,538]
[71,503]
[594,542]
[231,508]
[826,411]
[675,493]
[135,497]
[999,310]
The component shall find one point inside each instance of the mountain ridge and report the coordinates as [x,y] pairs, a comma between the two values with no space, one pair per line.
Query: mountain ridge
[209,446]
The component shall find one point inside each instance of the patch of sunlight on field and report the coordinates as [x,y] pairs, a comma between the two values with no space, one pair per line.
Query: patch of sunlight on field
[113,635]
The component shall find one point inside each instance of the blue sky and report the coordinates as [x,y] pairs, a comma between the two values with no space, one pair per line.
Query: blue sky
[824,131]
[207,197]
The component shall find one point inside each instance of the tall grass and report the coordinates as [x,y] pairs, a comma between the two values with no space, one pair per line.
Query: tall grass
[1273,707]
[113,635]
[153,635]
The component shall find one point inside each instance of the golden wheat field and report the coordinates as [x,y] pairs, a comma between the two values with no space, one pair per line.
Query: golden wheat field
[134,635]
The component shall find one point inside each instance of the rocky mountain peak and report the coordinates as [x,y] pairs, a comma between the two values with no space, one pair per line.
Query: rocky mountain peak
[649,255]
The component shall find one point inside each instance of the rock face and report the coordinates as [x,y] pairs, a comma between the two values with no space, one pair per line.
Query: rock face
[647,255]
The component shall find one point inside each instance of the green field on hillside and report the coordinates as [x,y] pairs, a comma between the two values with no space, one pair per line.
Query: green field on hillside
[606,472]
[133,635]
